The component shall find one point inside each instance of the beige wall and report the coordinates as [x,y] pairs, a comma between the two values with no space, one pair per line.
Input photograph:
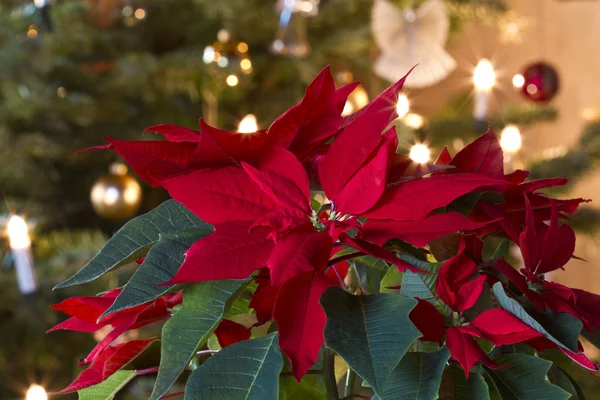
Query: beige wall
[567,35]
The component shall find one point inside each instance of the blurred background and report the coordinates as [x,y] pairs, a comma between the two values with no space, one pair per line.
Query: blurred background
[73,71]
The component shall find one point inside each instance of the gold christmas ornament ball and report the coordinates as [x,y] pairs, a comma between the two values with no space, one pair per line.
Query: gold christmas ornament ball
[117,195]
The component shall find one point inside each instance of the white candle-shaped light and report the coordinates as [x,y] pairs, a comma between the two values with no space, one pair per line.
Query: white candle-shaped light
[420,153]
[484,79]
[510,139]
[402,106]
[248,124]
[36,392]
[20,245]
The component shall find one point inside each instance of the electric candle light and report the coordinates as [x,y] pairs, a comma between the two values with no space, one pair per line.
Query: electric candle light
[420,153]
[414,121]
[402,106]
[510,139]
[518,81]
[20,245]
[484,79]
[36,392]
[248,124]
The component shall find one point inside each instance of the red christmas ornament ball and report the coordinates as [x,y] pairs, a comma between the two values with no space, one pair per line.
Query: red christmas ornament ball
[541,82]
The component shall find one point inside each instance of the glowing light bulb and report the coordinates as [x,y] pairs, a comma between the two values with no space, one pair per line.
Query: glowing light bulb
[248,124]
[232,80]
[140,13]
[36,392]
[414,121]
[18,233]
[420,153]
[484,77]
[510,139]
[348,109]
[518,81]
[402,106]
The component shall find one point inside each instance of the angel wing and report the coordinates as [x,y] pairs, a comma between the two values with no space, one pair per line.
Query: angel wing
[411,37]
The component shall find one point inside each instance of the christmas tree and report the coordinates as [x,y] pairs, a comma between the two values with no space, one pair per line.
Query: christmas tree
[74,71]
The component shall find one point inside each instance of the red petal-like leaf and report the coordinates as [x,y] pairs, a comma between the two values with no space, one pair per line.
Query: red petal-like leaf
[301,319]
[483,155]
[342,93]
[220,195]
[175,133]
[230,252]
[239,146]
[312,121]
[277,160]
[444,158]
[457,285]
[358,140]
[107,363]
[588,305]
[512,275]
[465,350]
[502,328]
[429,321]
[154,160]
[299,252]
[417,233]
[415,199]
[558,245]
[229,332]
[263,300]
[366,187]
[378,252]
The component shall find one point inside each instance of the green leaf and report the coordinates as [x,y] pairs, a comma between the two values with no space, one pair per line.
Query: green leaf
[371,333]
[311,387]
[203,307]
[392,278]
[563,325]
[423,285]
[523,377]
[160,265]
[370,272]
[456,387]
[134,239]
[247,370]
[502,251]
[417,377]
[562,379]
[109,388]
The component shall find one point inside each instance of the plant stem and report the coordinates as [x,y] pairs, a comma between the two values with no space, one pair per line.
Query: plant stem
[350,379]
[329,374]
[170,396]
[345,257]
[357,396]
[146,371]
[203,352]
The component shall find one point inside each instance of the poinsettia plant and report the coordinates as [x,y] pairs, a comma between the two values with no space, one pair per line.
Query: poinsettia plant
[401,280]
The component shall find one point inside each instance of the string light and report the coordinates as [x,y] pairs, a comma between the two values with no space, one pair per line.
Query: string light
[140,13]
[36,392]
[484,77]
[518,81]
[420,153]
[242,47]
[510,139]
[246,65]
[414,121]
[232,80]
[402,106]
[248,124]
